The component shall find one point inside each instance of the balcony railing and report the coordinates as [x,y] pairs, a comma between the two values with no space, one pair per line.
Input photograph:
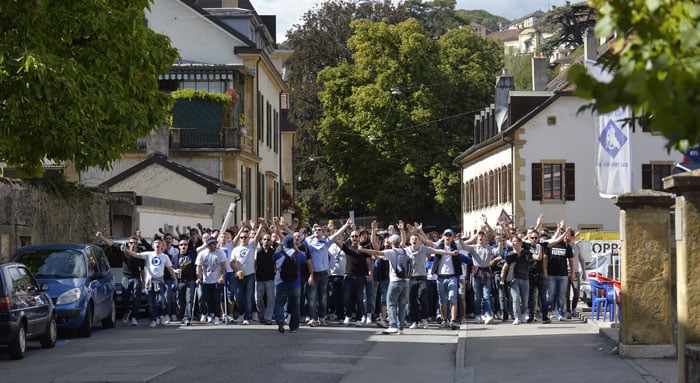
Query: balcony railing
[205,138]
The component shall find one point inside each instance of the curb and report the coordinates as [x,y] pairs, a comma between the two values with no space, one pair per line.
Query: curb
[463,374]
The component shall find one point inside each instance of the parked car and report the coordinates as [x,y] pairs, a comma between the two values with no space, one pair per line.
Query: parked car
[80,281]
[114,256]
[26,310]
[600,265]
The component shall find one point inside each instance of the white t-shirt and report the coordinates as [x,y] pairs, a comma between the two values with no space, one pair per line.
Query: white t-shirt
[244,256]
[392,255]
[156,263]
[211,265]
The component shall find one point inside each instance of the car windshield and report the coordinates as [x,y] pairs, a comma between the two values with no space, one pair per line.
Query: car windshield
[52,263]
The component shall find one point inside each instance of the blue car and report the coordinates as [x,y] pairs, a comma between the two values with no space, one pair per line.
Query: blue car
[81,284]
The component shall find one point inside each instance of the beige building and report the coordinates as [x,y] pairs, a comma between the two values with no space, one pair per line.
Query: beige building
[225,47]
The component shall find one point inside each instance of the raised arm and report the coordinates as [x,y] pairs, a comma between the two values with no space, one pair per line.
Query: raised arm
[402,232]
[103,238]
[376,253]
[341,230]
[373,236]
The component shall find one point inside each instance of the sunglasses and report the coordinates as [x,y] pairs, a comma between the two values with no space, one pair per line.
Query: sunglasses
[243,237]
[132,243]
[353,236]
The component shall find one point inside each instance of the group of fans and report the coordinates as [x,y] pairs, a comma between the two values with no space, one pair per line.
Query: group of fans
[271,272]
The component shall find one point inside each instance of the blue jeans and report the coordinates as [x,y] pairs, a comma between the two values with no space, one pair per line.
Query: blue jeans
[397,299]
[186,298]
[262,289]
[538,282]
[353,289]
[482,294]
[557,290]
[244,296]
[317,295]
[209,294]
[382,291]
[519,292]
[448,289]
[156,300]
[131,295]
[418,300]
[370,297]
[503,295]
[290,297]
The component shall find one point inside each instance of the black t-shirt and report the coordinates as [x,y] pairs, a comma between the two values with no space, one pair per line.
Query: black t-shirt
[558,259]
[188,270]
[535,266]
[265,264]
[356,261]
[521,262]
[131,267]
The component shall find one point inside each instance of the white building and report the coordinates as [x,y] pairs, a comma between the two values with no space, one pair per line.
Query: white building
[533,153]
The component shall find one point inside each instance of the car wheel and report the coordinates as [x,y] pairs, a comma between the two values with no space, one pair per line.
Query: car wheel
[85,329]
[18,346]
[111,318]
[48,340]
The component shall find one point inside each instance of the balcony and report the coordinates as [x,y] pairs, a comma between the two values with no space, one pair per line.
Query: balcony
[202,124]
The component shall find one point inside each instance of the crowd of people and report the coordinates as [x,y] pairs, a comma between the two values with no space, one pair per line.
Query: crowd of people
[271,272]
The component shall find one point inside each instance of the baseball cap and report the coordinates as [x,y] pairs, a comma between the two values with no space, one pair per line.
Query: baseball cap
[448,231]
[211,240]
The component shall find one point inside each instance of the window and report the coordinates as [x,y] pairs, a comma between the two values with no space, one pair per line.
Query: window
[553,181]
[653,174]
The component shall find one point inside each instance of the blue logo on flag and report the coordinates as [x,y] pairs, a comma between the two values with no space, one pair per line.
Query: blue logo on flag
[612,138]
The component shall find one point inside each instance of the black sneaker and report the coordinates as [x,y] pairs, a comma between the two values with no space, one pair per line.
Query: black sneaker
[280,328]
[546,320]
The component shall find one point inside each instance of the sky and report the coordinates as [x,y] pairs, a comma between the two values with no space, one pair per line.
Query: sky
[289,12]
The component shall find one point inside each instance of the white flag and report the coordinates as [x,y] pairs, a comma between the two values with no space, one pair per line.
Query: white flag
[613,168]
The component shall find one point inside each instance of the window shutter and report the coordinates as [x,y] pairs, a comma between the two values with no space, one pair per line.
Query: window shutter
[646,176]
[536,181]
[570,181]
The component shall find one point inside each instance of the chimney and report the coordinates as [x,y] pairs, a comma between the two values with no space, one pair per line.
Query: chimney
[589,46]
[539,72]
[504,85]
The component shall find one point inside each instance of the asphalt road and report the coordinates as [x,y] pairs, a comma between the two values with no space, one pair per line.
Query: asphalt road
[255,353]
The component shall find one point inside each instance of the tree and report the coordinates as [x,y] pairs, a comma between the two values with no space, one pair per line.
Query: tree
[437,17]
[321,41]
[479,16]
[400,113]
[78,81]
[655,58]
[568,24]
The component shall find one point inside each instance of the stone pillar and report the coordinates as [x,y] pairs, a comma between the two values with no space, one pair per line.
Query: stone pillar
[646,272]
[687,188]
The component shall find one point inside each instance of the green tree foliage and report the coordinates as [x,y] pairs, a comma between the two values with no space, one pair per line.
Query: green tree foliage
[655,58]
[437,17]
[520,67]
[321,41]
[569,24]
[479,16]
[78,81]
[399,114]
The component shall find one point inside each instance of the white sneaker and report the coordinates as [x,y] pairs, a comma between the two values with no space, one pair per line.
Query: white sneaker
[346,321]
[444,324]
[381,323]
[368,319]
[167,319]
[153,324]
[488,319]
[216,320]
[516,321]
[203,318]
[477,320]
[246,322]
[390,330]
[209,318]
[424,322]
[134,322]
[399,332]
[560,318]
[359,323]
[414,325]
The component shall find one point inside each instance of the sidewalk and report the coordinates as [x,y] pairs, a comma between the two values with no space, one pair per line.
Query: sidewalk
[566,351]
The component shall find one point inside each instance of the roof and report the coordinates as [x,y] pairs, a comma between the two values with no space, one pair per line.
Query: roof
[195,5]
[210,183]
[507,35]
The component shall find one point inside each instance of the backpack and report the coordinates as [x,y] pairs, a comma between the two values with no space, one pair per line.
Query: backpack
[404,264]
[289,272]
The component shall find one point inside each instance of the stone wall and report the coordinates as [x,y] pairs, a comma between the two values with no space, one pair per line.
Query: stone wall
[46,212]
